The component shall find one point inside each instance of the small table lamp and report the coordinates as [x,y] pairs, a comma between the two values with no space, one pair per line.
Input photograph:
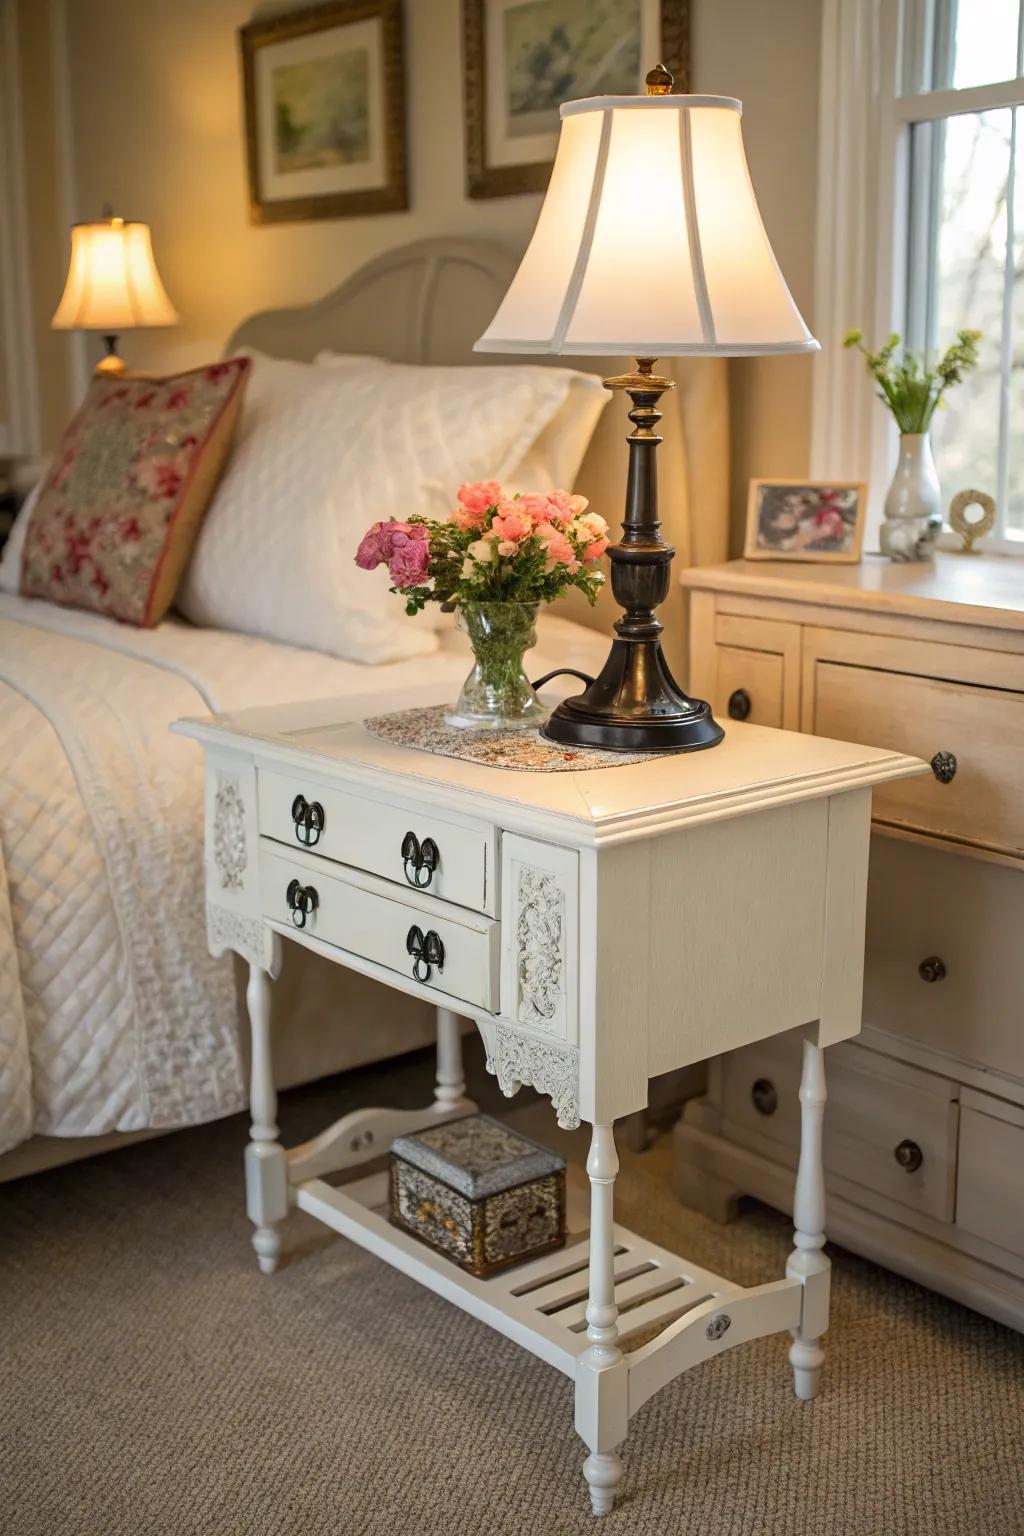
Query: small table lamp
[649,243]
[112,285]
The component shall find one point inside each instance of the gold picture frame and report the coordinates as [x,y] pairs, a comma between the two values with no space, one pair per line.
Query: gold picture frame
[492,55]
[324,92]
[795,519]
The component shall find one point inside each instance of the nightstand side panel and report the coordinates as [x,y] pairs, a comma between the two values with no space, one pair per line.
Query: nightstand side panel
[737,932]
[233,917]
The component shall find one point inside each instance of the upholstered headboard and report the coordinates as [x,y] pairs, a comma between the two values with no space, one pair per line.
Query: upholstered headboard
[427,302]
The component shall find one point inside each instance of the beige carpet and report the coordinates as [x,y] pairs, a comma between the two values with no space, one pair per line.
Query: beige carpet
[153,1383]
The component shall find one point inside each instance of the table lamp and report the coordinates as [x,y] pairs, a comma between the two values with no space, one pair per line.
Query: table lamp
[112,285]
[649,242]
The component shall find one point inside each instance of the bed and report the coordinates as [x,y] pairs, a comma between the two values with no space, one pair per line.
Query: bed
[114,1020]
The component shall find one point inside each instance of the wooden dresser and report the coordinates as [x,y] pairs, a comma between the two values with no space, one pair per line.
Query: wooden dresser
[925,1146]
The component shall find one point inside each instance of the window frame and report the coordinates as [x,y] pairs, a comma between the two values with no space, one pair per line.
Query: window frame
[869,47]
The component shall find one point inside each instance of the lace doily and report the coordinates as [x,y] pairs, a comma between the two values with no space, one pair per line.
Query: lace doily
[526,750]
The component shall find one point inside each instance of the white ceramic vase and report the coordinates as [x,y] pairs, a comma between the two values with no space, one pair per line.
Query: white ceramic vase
[913,503]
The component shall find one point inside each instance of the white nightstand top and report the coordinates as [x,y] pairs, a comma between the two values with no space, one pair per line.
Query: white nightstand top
[752,769]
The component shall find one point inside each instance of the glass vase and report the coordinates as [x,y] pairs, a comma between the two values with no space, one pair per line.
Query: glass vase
[497,694]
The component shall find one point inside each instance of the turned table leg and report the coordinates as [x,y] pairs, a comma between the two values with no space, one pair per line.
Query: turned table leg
[451,1081]
[602,1409]
[266,1169]
[808,1262]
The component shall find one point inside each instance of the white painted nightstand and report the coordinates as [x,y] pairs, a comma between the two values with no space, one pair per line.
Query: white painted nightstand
[599,927]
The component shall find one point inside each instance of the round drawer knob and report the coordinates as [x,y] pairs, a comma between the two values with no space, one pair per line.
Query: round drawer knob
[909,1156]
[739,705]
[944,767]
[764,1097]
[932,969]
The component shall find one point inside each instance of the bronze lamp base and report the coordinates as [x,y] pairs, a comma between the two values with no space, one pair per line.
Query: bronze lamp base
[635,704]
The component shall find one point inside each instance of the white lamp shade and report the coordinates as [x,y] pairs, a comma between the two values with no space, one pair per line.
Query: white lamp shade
[113,284]
[649,241]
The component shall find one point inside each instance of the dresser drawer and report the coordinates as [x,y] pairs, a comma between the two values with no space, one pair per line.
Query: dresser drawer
[374,920]
[889,1127]
[452,860]
[990,1189]
[926,905]
[757,670]
[748,685]
[983,728]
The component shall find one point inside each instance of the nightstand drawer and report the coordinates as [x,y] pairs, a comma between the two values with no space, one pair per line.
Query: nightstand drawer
[974,737]
[990,1190]
[942,965]
[452,860]
[415,936]
[889,1128]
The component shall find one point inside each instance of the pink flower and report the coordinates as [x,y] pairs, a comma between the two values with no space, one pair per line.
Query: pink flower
[559,550]
[409,560]
[595,551]
[475,499]
[371,548]
[537,508]
[507,547]
[467,519]
[512,523]
[380,542]
[479,495]
[565,506]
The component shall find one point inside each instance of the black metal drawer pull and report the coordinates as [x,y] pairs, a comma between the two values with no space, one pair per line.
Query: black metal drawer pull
[764,1097]
[932,969]
[427,951]
[302,902]
[944,767]
[909,1156]
[419,860]
[309,820]
[739,705]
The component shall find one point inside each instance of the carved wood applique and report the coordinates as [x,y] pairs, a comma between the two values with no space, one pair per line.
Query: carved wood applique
[226,929]
[229,850]
[540,929]
[520,1061]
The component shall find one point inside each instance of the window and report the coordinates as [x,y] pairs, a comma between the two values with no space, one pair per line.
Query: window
[961,98]
[921,230]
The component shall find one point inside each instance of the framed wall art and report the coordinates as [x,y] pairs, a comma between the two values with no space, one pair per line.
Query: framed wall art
[325,111]
[805,520]
[523,58]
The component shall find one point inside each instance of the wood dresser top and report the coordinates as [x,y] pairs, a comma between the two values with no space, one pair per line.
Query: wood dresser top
[962,589]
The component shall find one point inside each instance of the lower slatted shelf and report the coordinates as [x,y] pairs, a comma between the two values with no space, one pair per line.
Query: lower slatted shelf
[541,1305]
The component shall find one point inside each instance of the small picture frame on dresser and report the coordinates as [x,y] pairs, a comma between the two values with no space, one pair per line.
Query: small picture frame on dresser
[806,520]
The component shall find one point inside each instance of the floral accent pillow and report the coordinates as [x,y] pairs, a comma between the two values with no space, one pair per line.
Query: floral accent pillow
[116,519]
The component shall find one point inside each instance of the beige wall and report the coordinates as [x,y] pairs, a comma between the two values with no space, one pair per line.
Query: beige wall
[767,53]
[47,222]
[166,145]
[157,121]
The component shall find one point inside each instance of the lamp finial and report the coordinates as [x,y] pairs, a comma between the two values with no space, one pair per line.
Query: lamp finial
[659,81]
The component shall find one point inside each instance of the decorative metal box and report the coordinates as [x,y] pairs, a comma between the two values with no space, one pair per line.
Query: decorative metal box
[479,1193]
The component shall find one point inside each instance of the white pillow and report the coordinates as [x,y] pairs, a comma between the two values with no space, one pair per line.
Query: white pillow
[10,558]
[320,454]
[553,459]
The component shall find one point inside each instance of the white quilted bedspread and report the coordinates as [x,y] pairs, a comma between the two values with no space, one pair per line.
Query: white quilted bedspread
[112,1014]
